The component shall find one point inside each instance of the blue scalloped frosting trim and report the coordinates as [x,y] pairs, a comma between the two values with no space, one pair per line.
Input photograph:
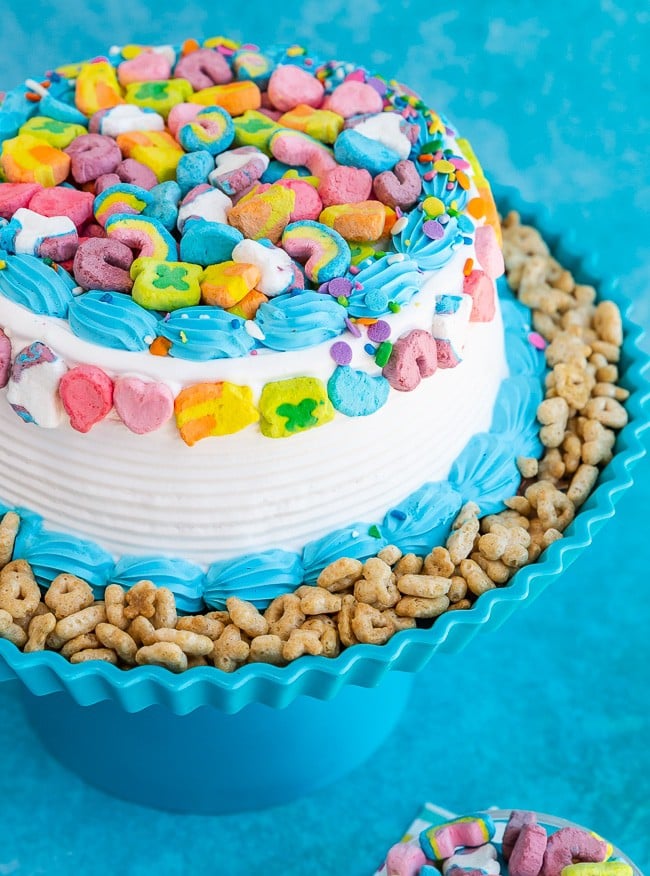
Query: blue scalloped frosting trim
[485,472]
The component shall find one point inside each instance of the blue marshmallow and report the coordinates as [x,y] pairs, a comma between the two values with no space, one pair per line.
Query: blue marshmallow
[208,243]
[355,150]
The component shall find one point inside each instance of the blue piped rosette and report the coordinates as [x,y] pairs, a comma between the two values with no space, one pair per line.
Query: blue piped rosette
[409,650]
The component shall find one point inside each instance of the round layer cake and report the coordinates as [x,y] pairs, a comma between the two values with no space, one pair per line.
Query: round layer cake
[248,321]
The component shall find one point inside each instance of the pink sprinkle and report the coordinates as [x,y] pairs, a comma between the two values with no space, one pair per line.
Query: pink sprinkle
[358,286]
[449,186]
[353,269]
[253,352]
[341,353]
[537,340]
[429,175]
[459,163]
[353,328]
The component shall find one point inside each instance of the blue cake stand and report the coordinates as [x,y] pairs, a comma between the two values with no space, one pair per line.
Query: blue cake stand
[265,735]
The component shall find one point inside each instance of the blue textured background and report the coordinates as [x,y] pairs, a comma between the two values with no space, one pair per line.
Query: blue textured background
[550,713]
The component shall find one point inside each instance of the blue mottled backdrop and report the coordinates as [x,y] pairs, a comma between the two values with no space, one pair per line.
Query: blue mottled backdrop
[553,711]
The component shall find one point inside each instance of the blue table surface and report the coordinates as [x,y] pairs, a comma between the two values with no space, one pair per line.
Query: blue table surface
[551,712]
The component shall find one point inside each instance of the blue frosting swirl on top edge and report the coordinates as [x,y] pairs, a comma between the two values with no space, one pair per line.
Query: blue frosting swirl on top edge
[429,254]
[297,320]
[28,281]
[112,319]
[53,553]
[257,578]
[392,278]
[485,471]
[203,333]
[183,578]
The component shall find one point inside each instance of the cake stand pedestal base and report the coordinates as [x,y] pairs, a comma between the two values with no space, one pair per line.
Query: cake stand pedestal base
[210,762]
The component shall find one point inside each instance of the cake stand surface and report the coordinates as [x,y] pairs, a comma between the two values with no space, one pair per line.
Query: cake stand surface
[177,763]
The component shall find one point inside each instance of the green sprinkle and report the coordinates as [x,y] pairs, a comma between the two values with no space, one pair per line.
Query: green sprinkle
[343,301]
[183,337]
[374,532]
[394,307]
[431,146]
[48,261]
[383,353]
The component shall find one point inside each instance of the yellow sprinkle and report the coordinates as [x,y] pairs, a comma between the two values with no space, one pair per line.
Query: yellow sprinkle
[442,166]
[3,264]
[183,337]
[433,207]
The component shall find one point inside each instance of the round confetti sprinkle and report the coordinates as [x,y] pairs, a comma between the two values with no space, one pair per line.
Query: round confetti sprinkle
[370,350]
[433,207]
[341,353]
[433,229]
[537,341]
[340,287]
[379,332]
[354,329]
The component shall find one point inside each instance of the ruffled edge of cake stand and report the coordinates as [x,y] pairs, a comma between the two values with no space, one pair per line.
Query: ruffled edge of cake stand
[46,672]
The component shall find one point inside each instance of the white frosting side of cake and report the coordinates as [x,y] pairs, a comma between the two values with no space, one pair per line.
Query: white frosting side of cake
[151,494]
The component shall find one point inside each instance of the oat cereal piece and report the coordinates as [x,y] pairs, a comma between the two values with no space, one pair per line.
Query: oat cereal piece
[303,590]
[201,624]
[267,649]
[457,589]
[582,484]
[115,599]
[67,595]
[527,466]
[39,629]
[519,510]
[11,631]
[230,650]
[418,606]
[390,554]
[461,605]
[477,581]
[117,640]
[331,643]
[551,466]
[192,644]
[142,631]
[566,347]
[302,642]
[551,535]
[165,654]
[438,562]
[319,622]
[79,643]
[245,616]
[427,586]
[377,587]
[607,411]
[611,391]
[165,613]
[545,325]
[554,509]
[572,447]
[609,323]
[370,626]
[221,616]
[284,615]
[598,443]
[573,383]
[194,662]
[509,544]
[461,541]
[344,621]
[80,622]
[9,526]
[140,601]
[605,372]
[612,352]
[399,622]
[103,654]
[340,575]
[19,592]
[24,622]
[410,564]
[496,570]
[320,601]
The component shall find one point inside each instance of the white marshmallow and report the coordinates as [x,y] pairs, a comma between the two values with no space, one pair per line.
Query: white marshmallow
[386,128]
[212,205]
[273,262]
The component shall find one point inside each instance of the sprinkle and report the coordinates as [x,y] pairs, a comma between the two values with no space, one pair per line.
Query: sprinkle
[383,353]
[341,353]
[106,298]
[374,532]
[343,301]
[425,158]
[537,341]
[379,332]
[340,287]
[370,350]
[433,207]
[463,180]
[254,330]
[394,307]
[352,328]
[353,269]
[189,46]
[3,264]
[443,166]
[476,208]
[433,229]
[183,337]
[399,226]
[429,175]
[467,241]
[160,346]
[467,267]
[397,514]
[254,352]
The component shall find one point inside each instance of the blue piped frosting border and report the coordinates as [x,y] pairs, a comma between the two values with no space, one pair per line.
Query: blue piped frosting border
[485,471]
